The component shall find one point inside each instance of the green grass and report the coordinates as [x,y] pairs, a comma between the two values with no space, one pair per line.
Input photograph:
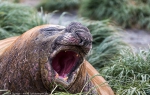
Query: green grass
[127,13]
[129,74]
[16,19]
[144,1]
[61,5]
[4,34]
[100,9]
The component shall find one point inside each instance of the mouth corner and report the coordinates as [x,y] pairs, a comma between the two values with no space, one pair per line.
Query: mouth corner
[65,65]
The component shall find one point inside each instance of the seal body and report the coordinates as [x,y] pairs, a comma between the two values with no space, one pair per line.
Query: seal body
[45,57]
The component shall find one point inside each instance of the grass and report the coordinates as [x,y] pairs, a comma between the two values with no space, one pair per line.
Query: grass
[129,74]
[100,9]
[61,5]
[127,13]
[144,1]
[15,19]
[4,34]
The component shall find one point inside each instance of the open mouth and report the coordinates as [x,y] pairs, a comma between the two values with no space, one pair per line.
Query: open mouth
[65,63]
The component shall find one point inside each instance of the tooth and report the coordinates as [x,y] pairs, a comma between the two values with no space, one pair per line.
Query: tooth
[77,70]
[65,78]
[75,75]
[57,75]
[77,55]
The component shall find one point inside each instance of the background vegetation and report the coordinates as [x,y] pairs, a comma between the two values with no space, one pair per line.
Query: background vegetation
[15,19]
[126,13]
[127,72]
[61,5]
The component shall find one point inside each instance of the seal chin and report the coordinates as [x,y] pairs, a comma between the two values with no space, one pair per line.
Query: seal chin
[65,65]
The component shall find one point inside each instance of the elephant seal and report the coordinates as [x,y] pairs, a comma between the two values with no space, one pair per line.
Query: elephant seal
[49,57]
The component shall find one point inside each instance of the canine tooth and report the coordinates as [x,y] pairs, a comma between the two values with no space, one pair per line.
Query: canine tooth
[77,70]
[56,75]
[75,75]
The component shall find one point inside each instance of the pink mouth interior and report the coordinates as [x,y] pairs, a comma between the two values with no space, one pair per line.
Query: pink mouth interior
[64,62]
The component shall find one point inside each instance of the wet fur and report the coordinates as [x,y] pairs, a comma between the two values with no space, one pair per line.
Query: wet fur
[103,89]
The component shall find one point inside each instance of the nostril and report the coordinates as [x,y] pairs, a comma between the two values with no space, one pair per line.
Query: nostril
[81,42]
[84,43]
[80,35]
[84,35]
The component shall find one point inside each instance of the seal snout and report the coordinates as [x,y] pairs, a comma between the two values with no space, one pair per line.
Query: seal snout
[80,35]
[77,35]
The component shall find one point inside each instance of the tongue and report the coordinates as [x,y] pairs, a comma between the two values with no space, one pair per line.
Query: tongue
[64,62]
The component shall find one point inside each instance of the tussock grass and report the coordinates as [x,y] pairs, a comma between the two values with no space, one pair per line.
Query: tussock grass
[144,1]
[100,9]
[129,74]
[4,34]
[127,13]
[52,5]
[16,19]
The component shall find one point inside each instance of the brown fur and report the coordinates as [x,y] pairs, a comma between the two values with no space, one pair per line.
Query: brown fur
[103,89]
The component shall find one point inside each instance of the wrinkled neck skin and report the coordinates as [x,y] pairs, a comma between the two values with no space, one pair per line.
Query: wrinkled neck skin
[24,67]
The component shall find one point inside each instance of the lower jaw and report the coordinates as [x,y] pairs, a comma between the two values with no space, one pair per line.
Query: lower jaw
[66,81]
[50,81]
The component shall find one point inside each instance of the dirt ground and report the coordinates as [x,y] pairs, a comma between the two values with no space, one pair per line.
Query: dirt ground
[31,3]
[137,39]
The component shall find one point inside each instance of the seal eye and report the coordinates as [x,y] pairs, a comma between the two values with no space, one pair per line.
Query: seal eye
[65,62]
[50,31]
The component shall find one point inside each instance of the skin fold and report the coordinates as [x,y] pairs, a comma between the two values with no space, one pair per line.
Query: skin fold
[25,62]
